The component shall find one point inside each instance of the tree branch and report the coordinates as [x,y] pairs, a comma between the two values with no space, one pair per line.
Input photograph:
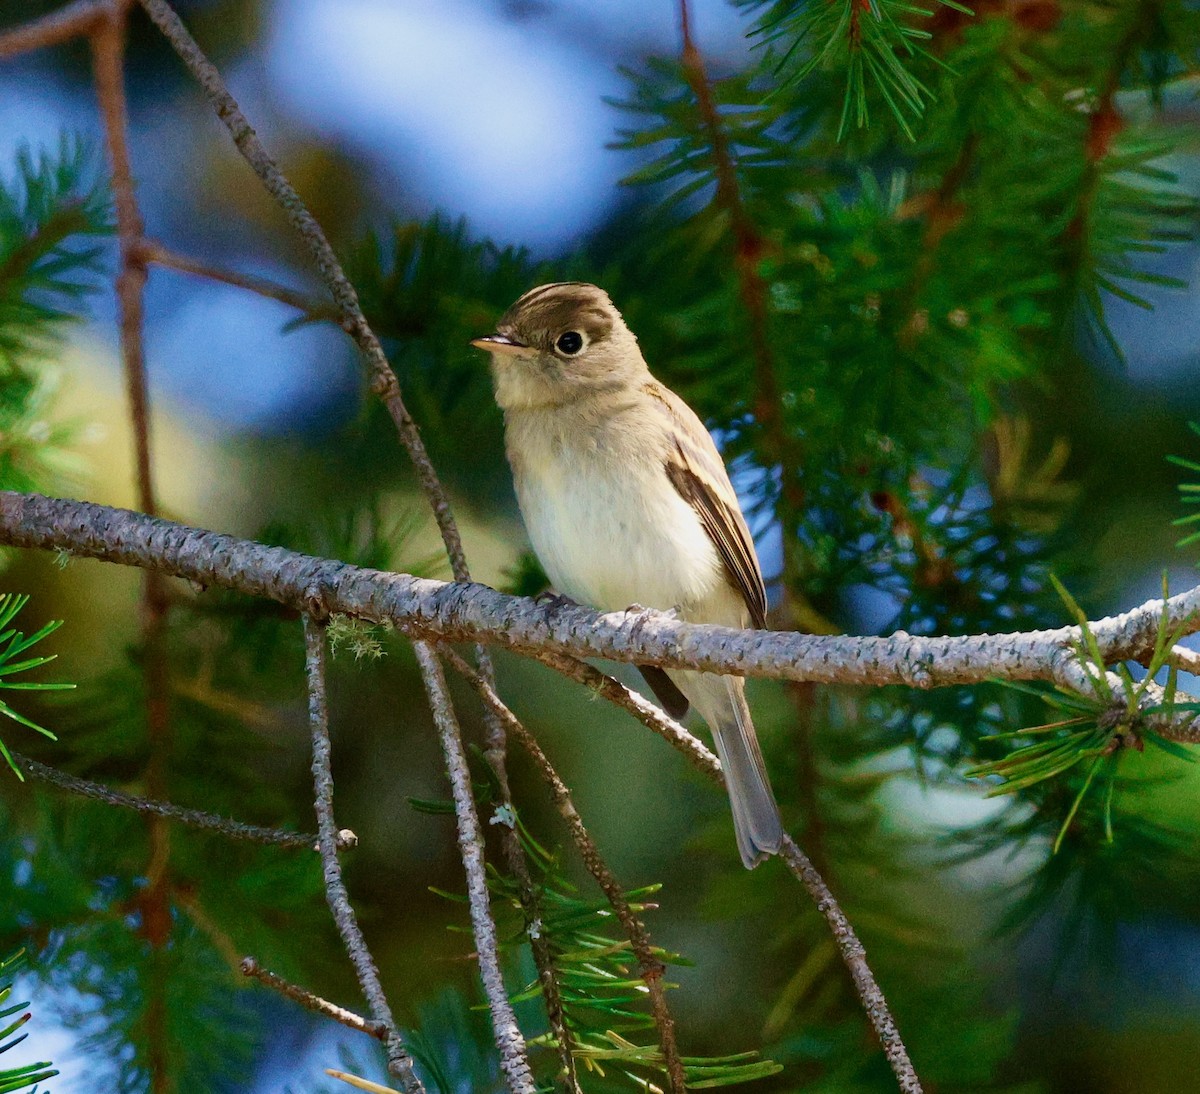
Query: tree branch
[854,957]
[70,21]
[462,611]
[312,1002]
[652,716]
[108,65]
[651,967]
[400,1063]
[383,379]
[150,251]
[193,818]
[851,949]
[509,1039]
[1184,659]
[107,42]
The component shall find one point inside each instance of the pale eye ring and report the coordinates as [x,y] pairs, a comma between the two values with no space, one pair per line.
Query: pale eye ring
[570,342]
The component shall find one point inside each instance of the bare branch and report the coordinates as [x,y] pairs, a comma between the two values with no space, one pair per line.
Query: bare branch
[400,1063]
[463,611]
[383,379]
[509,1039]
[193,818]
[855,959]
[651,967]
[383,383]
[156,254]
[850,948]
[108,65]
[107,42]
[518,866]
[70,21]
[315,1003]
[646,712]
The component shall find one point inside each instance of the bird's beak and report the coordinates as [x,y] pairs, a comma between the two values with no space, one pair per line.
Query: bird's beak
[500,344]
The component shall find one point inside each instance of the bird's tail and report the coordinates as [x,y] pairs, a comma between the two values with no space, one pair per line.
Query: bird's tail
[721,701]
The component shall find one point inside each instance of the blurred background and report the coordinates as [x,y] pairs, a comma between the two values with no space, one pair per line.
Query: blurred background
[985,342]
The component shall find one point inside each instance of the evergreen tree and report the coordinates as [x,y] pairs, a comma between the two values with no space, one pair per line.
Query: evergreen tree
[881,261]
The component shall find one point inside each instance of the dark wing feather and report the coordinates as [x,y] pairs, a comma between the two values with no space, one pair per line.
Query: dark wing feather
[673,701]
[696,471]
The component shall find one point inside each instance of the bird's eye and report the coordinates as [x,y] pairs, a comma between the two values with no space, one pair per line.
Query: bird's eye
[569,343]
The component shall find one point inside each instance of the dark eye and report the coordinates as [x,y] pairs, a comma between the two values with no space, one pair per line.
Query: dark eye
[569,343]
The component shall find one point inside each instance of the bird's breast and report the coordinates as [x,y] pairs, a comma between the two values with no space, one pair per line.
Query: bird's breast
[604,520]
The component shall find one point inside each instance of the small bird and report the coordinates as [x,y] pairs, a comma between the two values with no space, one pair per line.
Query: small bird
[627,501]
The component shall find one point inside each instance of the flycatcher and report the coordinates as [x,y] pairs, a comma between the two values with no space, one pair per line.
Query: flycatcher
[626,501]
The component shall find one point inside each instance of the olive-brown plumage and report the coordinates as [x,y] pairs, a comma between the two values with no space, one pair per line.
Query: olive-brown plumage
[627,501]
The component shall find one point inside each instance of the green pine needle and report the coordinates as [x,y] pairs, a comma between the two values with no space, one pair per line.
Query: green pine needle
[17,643]
[27,1075]
[52,213]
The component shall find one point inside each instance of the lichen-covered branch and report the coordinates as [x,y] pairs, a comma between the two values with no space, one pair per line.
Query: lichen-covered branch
[854,956]
[312,1002]
[383,379]
[510,1041]
[465,611]
[650,966]
[193,818]
[400,1063]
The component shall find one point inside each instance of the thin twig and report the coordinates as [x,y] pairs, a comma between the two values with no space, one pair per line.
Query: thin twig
[539,945]
[400,1063]
[312,1002]
[383,383]
[54,28]
[383,379]
[847,941]
[193,818]
[107,42]
[651,716]
[509,1040]
[749,247]
[651,967]
[851,949]
[855,959]
[108,61]
[156,254]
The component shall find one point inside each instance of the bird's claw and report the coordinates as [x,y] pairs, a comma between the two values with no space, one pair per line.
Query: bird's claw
[641,609]
[548,598]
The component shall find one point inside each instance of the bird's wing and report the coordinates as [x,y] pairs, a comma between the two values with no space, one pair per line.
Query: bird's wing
[694,467]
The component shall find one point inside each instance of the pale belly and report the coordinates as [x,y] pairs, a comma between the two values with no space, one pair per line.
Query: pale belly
[611,539]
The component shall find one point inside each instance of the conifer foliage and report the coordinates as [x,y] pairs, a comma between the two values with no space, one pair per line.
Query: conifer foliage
[882,260]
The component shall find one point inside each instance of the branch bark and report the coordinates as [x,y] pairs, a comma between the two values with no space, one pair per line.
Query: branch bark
[312,1002]
[383,379]
[854,956]
[193,818]
[72,21]
[509,1040]
[400,1063]
[650,966]
[465,611]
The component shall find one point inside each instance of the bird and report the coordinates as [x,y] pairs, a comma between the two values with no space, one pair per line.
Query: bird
[626,501]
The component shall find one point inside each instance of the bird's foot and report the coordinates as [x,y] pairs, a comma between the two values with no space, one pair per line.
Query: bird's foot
[641,609]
